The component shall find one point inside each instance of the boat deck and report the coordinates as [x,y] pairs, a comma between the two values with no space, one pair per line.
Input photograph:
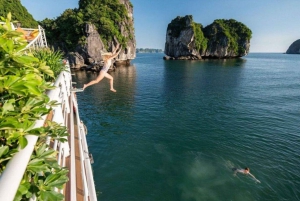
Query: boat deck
[79,183]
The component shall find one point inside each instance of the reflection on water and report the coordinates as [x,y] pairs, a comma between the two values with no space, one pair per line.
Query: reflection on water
[183,75]
[104,109]
[123,74]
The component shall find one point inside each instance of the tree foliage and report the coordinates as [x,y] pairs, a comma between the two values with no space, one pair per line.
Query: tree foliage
[20,13]
[200,40]
[106,15]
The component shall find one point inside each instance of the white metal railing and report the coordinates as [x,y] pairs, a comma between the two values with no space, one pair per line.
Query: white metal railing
[16,167]
[89,186]
[38,41]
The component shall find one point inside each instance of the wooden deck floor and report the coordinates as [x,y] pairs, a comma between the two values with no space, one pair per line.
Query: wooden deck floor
[79,184]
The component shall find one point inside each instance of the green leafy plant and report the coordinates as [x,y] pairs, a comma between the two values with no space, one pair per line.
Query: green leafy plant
[24,80]
[42,175]
[52,59]
[53,130]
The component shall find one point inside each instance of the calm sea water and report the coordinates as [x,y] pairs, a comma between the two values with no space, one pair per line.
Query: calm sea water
[174,129]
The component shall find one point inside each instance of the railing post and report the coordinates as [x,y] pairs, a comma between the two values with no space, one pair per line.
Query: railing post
[72,156]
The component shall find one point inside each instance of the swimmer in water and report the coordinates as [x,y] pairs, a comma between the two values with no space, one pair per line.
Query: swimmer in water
[245,171]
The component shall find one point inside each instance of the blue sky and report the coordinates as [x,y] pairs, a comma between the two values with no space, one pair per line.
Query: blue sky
[274,23]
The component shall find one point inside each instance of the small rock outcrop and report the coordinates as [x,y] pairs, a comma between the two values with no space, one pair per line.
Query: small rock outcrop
[75,60]
[186,39]
[294,48]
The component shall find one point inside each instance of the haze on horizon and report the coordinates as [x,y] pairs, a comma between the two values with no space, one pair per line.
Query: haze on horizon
[274,23]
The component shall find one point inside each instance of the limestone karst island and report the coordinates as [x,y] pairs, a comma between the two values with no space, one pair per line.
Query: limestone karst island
[186,39]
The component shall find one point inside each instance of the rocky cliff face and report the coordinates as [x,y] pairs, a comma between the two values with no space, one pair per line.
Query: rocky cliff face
[294,48]
[129,52]
[90,52]
[102,37]
[180,39]
[186,39]
[226,40]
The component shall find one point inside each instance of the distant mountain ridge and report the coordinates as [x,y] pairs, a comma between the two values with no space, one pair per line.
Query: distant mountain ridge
[148,50]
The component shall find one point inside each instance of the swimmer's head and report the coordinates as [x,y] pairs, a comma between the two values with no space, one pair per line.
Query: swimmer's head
[247,170]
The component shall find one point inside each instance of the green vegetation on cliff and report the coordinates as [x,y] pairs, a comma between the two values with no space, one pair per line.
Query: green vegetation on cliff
[235,31]
[64,31]
[200,40]
[107,16]
[20,13]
